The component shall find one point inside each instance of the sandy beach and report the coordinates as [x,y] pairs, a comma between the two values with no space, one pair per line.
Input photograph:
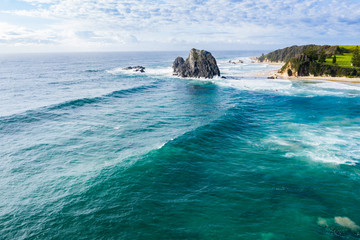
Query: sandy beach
[276,74]
[333,79]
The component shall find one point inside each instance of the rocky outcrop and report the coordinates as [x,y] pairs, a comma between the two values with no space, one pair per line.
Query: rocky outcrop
[178,66]
[136,68]
[236,62]
[199,64]
[303,65]
[285,54]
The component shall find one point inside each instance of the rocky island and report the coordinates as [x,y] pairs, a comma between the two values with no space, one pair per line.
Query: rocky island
[199,64]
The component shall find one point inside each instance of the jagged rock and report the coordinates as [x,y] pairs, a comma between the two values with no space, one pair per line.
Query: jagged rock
[198,64]
[236,62]
[297,67]
[135,68]
[178,65]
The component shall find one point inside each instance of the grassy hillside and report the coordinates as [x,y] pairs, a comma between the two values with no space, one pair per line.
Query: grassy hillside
[348,47]
[308,60]
[343,54]
[343,60]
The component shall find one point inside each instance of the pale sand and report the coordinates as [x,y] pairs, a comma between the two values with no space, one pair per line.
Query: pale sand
[274,73]
[255,59]
[272,63]
[323,78]
[333,79]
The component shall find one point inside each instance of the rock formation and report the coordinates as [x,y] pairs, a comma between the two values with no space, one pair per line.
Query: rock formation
[236,62]
[285,54]
[135,68]
[198,64]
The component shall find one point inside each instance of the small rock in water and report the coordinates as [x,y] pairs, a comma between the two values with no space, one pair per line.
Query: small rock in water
[236,62]
[347,222]
[341,226]
[322,222]
[135,68]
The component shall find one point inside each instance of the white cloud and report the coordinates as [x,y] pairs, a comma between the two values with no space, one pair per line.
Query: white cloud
[133,22]
[12,34]
[40,1]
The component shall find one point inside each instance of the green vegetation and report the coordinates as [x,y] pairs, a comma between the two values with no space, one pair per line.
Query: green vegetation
[262,58]
[340,60]
[344,58]
[356,57]
[349,48]
[195,54]
[285,54]
[312,53]
[317,60]
[322,56]
[303,66]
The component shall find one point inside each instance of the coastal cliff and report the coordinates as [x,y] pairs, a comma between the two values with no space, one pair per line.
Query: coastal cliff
[313,60]
[303,66]
[285,54]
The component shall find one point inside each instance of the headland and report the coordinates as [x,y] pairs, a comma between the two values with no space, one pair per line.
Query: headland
[315,62]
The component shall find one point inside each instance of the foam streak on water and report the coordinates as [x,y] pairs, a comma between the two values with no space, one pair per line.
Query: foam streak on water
[91,151]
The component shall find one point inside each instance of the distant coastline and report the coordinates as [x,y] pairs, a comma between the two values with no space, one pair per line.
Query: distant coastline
[276,74]
[312,62]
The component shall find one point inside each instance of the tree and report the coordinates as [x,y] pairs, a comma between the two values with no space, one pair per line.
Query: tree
[356,57]
[262,58]
[334,59]
[311,53]
[322,56]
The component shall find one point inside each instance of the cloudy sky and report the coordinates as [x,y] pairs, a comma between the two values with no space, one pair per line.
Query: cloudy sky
[143,25]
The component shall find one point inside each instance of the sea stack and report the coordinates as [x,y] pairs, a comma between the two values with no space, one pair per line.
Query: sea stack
[199,64]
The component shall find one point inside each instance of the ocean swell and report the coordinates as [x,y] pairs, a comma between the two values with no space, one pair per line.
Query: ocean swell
[51,112]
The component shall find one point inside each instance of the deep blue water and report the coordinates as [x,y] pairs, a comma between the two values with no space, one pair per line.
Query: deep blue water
[89,151]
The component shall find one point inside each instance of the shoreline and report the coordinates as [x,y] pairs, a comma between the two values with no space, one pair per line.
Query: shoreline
[275,75]
[331,79]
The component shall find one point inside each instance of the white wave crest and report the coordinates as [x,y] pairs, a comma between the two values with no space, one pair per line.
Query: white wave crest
[338,85]
[258,84]
[338,146]
[165,72]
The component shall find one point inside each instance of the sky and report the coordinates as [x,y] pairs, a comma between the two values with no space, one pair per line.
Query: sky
[149,25]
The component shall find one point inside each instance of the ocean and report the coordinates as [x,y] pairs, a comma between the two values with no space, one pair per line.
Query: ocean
[91,151]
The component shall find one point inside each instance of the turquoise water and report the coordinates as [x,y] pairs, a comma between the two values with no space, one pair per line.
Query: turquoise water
[89,151]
